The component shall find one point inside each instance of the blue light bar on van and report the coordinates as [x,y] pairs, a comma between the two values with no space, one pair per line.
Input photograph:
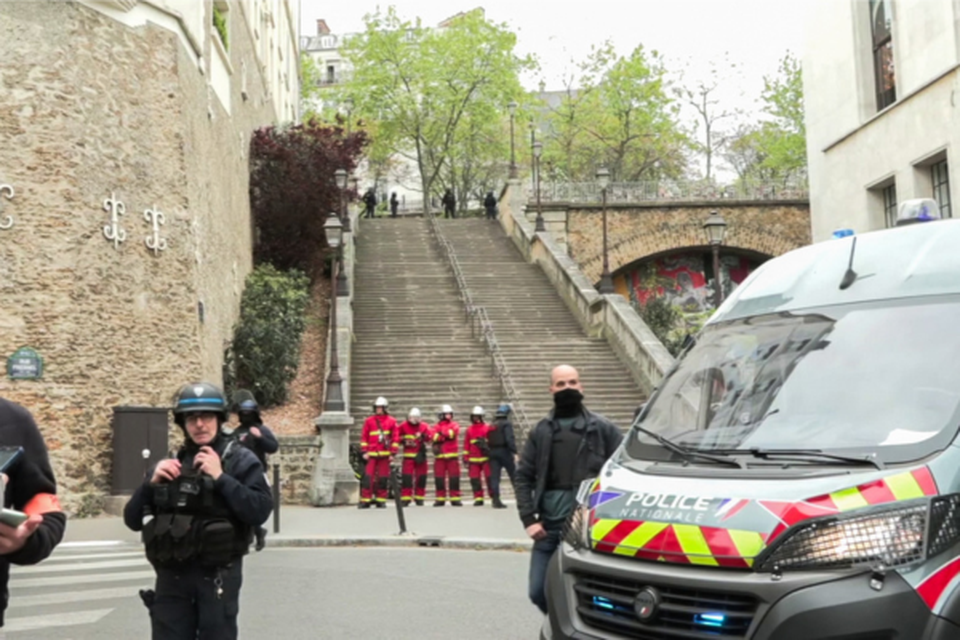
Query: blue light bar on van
[603,603]
[710,619]
[843,233]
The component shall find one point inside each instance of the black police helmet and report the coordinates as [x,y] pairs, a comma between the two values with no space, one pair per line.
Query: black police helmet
[196,398]
[503,409]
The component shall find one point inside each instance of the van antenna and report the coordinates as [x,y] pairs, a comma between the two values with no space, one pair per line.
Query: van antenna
[850,276]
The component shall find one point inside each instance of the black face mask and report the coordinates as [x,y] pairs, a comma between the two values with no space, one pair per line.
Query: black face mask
[568,401]
[248,419]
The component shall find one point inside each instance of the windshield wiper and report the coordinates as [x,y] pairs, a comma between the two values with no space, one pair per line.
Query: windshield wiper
[688,454]
[770,454]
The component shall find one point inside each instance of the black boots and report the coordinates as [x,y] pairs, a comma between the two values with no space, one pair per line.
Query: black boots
[497,504]
[381,505]
[261,536]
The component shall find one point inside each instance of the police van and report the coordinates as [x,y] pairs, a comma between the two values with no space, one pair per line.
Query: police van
[796,475]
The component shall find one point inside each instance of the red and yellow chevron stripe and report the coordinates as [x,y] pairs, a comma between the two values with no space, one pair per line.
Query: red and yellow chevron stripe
[681,543]
[718,547]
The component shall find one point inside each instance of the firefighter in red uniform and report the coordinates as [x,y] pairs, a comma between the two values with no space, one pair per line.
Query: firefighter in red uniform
[378,442]
[476,451]
[446,451]
[414,438]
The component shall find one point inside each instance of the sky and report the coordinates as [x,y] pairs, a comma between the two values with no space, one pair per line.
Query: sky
[690,34]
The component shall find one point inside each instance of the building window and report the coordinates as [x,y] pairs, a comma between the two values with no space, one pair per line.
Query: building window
[881,28]
[890,204]
[941,187]
[331,74]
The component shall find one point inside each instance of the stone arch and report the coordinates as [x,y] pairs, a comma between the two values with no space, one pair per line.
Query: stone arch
[638,233]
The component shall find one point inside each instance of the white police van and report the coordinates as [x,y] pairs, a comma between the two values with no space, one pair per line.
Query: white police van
[796,475]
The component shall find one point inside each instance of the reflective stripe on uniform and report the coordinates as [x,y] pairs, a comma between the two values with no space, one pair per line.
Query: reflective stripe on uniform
[42,503]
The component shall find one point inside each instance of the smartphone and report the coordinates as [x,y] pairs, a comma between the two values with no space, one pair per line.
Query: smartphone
[9,455]
[12,517]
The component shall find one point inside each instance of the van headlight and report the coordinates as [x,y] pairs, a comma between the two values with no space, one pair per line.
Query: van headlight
[576,532]
[889,538]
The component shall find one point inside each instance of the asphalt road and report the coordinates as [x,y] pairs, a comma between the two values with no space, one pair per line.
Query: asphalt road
[294,594]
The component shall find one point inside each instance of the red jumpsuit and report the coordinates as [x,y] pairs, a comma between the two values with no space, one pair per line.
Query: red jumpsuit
[478,459]
[415,439]
[379,440]
[446,437]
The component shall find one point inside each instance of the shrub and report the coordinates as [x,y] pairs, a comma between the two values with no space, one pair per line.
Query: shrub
[265,351]
[666,321]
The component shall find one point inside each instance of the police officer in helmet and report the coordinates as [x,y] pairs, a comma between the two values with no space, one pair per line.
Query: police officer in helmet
[198,512]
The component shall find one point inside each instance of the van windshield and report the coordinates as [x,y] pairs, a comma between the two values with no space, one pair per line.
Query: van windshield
[877,378]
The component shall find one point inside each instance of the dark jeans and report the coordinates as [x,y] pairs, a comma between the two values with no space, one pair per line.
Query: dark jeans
[500,458]
[543,551]
[187,607]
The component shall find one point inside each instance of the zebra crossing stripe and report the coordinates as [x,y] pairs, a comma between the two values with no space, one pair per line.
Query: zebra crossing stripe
[81,566]
[47,621]
[63,581]
[64,597]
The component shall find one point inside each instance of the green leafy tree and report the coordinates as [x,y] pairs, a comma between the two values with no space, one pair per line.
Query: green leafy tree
[622,115]
[775,149]
[430,91]
[783,101]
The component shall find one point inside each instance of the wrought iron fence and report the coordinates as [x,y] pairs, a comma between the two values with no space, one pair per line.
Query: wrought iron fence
[650,190]
[480,326]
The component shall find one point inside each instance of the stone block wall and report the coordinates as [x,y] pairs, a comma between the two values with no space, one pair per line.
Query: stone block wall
[90,107]
[297,458]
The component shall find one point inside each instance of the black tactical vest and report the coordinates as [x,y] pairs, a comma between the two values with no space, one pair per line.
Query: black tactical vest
[191,522]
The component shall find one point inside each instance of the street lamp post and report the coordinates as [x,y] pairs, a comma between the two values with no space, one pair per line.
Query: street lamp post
[716,227]
[512,107]
[333,229]
[341,177]
[348,104]
[537,150]
[606,282]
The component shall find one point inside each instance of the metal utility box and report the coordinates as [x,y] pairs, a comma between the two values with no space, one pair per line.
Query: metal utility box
[136,429]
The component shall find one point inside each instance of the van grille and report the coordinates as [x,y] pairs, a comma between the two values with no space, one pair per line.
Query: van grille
[607,604]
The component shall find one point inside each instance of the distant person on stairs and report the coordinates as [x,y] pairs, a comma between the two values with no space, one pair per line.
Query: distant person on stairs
[564,449]
[446,453]
[503,452]
[379,440]
[476,451]
[414,438]
[490,204]
[449,204]
[394,204]
[370,201]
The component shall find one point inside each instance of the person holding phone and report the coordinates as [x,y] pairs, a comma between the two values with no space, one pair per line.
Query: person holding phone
[32,523]
[198,512]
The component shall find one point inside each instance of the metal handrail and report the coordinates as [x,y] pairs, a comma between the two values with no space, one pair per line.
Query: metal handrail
[480,325]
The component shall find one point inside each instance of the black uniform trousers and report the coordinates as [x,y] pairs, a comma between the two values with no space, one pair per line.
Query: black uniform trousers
[501,458]
[186,605]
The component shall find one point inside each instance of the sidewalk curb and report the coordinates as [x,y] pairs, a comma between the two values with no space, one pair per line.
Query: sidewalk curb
[410,541]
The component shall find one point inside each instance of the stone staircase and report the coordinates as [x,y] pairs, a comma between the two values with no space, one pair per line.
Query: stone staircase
[534,328]
[412,342]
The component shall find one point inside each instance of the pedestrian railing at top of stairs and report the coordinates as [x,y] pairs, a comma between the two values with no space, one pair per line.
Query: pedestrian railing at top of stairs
[480,326]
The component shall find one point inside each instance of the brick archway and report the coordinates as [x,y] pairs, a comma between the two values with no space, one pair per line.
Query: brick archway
[639,232]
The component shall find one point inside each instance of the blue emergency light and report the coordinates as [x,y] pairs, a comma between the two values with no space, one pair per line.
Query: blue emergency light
[843,233]
[714,620]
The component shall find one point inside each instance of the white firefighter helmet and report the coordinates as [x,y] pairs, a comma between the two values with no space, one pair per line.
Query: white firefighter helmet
[414,413]
[477,411]
[381,402]
[446,409]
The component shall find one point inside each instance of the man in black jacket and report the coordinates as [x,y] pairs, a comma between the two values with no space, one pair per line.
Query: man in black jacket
[503,451]
[197,513]
[565,448]
[31,488]
[254,435]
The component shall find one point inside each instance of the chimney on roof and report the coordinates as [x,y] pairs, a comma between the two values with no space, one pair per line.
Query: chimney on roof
[322,28]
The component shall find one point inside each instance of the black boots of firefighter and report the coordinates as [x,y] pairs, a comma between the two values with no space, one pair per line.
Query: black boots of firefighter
[477,492]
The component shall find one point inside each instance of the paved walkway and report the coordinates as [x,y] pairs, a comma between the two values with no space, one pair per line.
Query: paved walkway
[463,527]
